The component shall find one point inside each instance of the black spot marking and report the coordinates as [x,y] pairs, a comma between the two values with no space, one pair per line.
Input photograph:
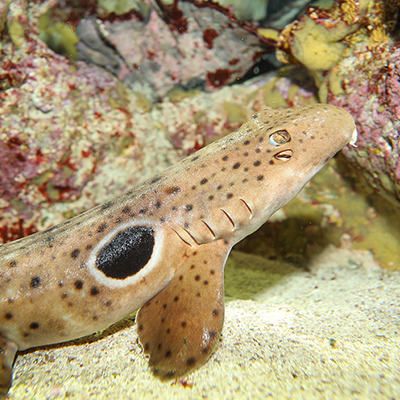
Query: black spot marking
[89,246]
[75,253]
[35,282]
[191,361]
[176,298]
[229,195]
[146,346]
[236,165]
[13,263]
[246,142]
[34,325]
[64,295]
[168,354]
[8,315]
[203,181]
[155,180]
[181,277]
[212,272]
[143,211]
[197,278]
[173,190]
[94,291]
[271,162]
[183,323]
[215,312]
[260,177]
[246,169]
[258,150]
[212,334]
[108,303]
[194,158]
[205,282]
[127,253]
[159,346]
[211,197]
[257,163]
[126,210]
[192,266]
[189,207]
[246,154]
[168,330]
[225,158]
[101,228]
[78,284]
[158,204]
[107,205]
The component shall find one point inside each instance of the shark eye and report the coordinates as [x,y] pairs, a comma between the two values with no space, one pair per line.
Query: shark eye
[284,155]
[279,137]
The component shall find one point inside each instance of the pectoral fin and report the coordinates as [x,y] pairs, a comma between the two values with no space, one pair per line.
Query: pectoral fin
[180,327]
[7,354]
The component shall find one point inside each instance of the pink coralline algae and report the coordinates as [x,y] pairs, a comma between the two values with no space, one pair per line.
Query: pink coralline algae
[372,87]
[183,44]
[355,61]
[73,136]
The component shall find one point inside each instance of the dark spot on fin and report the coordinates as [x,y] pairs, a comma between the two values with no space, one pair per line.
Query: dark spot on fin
[127,253]
[7,355]
[181,336]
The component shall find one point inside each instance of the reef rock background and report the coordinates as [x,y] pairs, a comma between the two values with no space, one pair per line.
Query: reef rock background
[156,84]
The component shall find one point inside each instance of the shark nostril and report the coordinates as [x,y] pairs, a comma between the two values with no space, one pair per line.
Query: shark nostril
[279,137]
[284,155]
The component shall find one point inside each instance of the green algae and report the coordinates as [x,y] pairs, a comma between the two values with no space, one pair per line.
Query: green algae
[177,94]
[236,112]
[247,275]
[59,36]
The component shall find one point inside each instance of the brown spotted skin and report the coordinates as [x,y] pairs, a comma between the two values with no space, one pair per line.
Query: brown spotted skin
[92,270]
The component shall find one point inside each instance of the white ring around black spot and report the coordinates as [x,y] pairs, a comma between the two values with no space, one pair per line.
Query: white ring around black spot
[155,258]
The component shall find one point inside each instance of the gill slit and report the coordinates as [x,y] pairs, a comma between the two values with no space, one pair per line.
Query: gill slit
[194,239]
[248,207]
[230,219]
[209,228]
[180,237]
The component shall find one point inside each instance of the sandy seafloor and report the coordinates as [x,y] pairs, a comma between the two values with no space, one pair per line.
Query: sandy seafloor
[329,331]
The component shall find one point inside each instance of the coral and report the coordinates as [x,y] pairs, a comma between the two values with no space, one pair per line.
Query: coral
[156,49]
[350,52]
